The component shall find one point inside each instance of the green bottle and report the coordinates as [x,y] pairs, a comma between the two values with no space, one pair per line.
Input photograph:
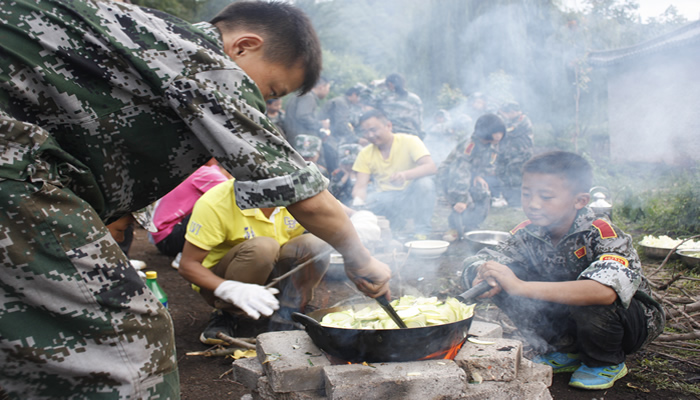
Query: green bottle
[152,283]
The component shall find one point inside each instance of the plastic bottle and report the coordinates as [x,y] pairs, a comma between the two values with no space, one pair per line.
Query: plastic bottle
[152,283]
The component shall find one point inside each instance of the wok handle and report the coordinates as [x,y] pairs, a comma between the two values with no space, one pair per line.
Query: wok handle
[476,291]
[305,320]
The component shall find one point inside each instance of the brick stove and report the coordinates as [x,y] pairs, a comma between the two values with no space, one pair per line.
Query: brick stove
[290,367]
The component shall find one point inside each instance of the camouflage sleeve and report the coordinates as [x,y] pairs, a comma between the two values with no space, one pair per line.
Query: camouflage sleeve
[506,253]
[268,171]
[616,263]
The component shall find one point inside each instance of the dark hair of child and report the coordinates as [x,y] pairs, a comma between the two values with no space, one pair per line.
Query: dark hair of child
[288,33]
[575,169]
[487,125]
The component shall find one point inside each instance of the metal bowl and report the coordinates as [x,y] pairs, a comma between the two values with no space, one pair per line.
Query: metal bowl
[657,252]
[690,257]
[427,248]
[480,239]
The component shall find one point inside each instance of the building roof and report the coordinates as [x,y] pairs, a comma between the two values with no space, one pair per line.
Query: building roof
[685,35]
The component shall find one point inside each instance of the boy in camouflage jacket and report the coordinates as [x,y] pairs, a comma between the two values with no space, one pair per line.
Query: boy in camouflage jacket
[572,283]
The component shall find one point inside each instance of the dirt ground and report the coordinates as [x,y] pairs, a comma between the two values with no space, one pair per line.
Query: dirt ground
[209,377]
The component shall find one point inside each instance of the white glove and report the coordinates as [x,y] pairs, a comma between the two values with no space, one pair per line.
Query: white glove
[357,201]
[251,298]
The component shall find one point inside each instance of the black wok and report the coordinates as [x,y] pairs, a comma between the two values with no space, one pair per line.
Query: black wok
[386,345]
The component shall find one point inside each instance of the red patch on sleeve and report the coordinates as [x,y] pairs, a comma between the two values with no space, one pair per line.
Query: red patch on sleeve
[580,252]
[520,226]
[616,258]
[469,148]
[606,231]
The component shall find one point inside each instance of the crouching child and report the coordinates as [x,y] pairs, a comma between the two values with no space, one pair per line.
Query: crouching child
[571,282]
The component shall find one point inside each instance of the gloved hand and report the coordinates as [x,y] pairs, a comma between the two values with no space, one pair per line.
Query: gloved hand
[251,298]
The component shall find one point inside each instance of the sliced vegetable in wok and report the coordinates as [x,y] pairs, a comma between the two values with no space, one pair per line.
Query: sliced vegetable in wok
[414,311]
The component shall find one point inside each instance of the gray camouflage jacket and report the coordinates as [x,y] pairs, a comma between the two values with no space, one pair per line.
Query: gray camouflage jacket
[593,249]
[123,103]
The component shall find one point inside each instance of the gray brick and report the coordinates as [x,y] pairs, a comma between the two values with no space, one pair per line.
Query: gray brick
[265,392]
[530,372]
[420,380]
[483,329]
[247,371]
[291,361]
[491,362]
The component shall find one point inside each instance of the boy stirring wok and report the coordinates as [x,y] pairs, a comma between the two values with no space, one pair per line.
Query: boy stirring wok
[571,282]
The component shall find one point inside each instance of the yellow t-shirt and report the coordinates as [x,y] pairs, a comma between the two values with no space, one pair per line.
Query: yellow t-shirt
[406,150]
[217,223]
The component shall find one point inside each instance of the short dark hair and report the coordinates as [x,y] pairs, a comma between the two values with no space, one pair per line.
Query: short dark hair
[373,113]
[398,82]
[353,90]
[487,125]
[575,169]
[289,36]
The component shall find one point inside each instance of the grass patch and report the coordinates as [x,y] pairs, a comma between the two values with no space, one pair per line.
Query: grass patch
[663,375]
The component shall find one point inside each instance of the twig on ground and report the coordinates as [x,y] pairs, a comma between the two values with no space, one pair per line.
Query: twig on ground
[668,256]
[226,373]
[668,346]
[213,353]
[670,337]
[677,359]
[235,342]
[675,312]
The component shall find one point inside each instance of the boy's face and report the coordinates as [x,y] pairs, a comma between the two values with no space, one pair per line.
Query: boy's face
[274,80]
[549,201]
[493,140]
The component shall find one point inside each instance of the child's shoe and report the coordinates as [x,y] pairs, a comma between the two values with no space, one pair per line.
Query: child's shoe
[560,362]
[586,377]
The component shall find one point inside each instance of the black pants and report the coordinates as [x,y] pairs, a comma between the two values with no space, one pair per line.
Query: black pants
[603,335]
[175,241]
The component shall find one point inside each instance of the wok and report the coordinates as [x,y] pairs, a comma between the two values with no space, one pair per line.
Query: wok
[386,345]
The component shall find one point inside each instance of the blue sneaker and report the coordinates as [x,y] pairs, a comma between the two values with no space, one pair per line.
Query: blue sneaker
[560,362]
[597,378]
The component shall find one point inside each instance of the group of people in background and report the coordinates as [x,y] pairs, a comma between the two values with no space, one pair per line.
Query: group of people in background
[472,159]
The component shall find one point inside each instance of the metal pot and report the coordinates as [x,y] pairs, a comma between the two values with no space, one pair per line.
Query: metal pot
[386,345]
[381,345]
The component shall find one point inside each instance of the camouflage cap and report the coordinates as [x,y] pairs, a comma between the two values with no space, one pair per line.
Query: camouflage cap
[307,145]
[347,153]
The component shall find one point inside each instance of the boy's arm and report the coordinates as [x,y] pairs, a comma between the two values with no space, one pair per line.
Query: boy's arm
[323,216]
[583,292]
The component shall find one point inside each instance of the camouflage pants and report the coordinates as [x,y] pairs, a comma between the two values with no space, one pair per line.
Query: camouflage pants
[76,321]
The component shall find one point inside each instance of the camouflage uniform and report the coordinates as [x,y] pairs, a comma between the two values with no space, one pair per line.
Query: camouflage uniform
[513,151]
[343,116]
[593,249]
[105,107]
[404,112]
[342,179]
[310,147]
[455,179]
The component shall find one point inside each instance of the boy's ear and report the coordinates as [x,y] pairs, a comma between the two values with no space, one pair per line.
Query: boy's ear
[241,44]
[582,200]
